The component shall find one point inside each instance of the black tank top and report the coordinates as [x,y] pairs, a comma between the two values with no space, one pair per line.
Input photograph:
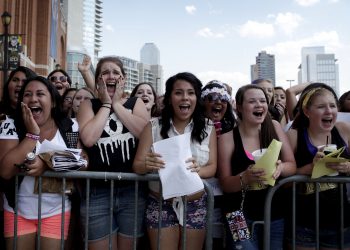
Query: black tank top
[255,199]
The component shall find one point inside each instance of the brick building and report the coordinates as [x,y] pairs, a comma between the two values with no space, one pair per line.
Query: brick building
[43,28]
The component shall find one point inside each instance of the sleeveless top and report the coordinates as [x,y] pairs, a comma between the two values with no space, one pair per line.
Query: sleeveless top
[329,199]
[115,150]
[254,202]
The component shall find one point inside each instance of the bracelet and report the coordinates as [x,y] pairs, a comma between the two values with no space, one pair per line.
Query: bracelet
[33,136]
[107,103]
[105,106]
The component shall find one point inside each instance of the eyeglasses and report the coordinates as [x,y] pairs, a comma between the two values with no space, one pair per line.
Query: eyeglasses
[215,98]
[60,78]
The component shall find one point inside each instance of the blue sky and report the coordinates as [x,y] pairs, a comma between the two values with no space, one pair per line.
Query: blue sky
[219,39]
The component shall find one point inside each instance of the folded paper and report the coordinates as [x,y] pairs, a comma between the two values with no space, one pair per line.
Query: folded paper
[320,169]
[268,163]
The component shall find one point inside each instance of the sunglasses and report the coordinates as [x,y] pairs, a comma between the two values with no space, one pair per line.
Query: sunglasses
[60,78]
[215,98]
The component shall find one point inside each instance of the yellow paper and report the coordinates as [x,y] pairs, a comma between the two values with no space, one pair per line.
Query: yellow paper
[320,168]
[268,163]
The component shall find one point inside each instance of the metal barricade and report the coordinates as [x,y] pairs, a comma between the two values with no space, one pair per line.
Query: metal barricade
[112,177]
[303,179]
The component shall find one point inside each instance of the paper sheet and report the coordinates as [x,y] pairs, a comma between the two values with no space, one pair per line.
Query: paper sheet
[176,179]
[268,163]
[320,168]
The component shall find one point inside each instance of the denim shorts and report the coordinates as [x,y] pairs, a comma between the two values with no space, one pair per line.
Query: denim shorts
[123,216]
[196,213]
[306,237]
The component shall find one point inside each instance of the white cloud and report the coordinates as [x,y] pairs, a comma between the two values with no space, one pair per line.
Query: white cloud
[109,28]
[234,79]
[307,3]
[256,29]
[288,22]
[190,9]
[288,54]
[208,33]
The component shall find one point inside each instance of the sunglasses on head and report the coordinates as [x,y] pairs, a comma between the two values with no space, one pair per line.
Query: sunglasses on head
[60,78]
[214,98]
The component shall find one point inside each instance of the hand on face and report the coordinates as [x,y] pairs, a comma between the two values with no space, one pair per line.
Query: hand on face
[102,91]
[119,90]
[31,125]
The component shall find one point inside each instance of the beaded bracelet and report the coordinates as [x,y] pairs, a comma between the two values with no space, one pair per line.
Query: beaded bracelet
[33,136]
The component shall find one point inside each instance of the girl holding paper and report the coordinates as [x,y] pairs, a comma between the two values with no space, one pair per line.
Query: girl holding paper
[255,130]
[315,126]
[182,113]
[38,117]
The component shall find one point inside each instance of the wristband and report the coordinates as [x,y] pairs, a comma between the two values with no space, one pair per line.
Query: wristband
[107,103]
[33,136]
[105,106]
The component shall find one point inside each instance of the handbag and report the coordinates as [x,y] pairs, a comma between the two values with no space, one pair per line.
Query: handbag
[236,220]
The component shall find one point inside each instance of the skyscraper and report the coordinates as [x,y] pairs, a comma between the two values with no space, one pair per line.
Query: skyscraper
[150,69]
[84,33]
[264,67]
[150,54]
[317,66]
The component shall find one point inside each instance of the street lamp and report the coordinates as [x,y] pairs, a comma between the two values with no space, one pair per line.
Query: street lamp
[6,20]
[290,82]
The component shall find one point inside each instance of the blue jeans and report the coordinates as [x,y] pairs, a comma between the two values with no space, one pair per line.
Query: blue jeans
[306,237]
[123,215]
[257,240]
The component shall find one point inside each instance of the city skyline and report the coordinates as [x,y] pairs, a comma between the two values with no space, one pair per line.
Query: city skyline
[220,39]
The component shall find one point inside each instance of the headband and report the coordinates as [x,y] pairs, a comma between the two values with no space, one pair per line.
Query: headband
[216,90]
[308,95]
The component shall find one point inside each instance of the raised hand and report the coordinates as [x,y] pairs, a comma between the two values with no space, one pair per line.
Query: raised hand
[31,125]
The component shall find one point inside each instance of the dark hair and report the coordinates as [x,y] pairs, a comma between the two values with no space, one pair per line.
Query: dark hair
[63,72]
[229,119]
[198,132]
[154,109]
[300,120]
[285,112]
[113,59]
[6,102]
[342,99]
[267,128]
[56,110]
[67,91]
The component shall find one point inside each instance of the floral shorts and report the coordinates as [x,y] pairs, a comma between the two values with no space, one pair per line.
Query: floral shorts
[195,219]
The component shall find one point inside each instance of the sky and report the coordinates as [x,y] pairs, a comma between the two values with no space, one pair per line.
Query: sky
[219,39]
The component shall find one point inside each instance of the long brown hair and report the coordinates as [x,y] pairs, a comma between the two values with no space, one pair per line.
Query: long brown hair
[267,128]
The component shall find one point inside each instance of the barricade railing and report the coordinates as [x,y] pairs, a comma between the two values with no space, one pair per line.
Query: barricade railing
[112,177]
[303,179]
